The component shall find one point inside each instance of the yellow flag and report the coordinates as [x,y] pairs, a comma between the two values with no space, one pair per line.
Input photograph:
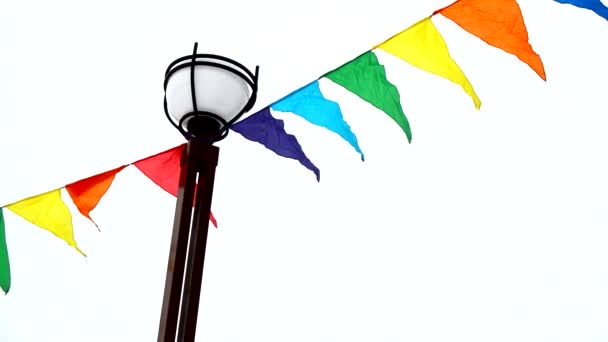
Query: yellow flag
[48,211]
[422,46]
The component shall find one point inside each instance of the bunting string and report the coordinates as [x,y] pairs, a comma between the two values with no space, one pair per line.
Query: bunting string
[497,23]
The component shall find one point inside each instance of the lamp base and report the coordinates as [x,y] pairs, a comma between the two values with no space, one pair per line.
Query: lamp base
[202,126]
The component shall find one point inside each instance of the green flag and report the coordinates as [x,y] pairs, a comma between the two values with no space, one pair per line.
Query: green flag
[365,77]
[5,267]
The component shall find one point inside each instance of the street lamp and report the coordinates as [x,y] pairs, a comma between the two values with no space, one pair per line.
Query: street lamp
[204,95]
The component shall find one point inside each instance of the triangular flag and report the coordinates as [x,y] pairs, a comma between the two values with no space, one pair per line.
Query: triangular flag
[365,77]
[86,193]
[265,129]
[594,5]
[498,23]
[164,169]
[5,266]
[48,211]
[422,46]
[309,103]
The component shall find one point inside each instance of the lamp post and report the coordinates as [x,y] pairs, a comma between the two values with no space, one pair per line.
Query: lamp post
[204,95]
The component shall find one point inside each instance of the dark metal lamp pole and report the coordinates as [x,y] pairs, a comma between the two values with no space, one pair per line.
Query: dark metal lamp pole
[220,92]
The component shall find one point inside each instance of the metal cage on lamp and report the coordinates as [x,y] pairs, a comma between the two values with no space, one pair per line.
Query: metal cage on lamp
[221,91]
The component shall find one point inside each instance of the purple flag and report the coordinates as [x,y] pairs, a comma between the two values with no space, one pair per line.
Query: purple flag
[263,128]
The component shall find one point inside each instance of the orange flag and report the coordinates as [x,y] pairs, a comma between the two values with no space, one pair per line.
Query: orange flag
[86,193]
[498,23]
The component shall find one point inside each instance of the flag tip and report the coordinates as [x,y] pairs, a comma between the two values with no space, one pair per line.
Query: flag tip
[96,226]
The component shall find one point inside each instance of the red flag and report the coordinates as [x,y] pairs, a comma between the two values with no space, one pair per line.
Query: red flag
[164,170]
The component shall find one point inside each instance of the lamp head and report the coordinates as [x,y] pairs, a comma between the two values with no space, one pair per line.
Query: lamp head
[205,94]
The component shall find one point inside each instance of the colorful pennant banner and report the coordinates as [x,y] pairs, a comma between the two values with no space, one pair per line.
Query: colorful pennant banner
[498,23]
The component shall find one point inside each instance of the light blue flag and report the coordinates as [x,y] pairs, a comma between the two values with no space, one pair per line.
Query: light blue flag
[594,5]
[309,103]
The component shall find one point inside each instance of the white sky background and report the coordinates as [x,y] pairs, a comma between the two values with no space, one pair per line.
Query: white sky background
[490,226]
